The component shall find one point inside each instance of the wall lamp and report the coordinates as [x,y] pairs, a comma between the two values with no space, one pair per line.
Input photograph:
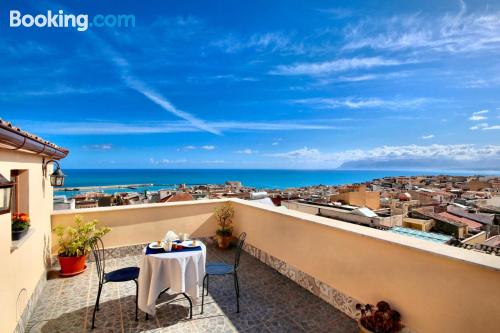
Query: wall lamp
[57,177]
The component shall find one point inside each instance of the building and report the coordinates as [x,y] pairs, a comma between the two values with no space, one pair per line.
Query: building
[428,197]
[357,195]
[442,224]
[234,185]
[358,215]
[22,160]
[61,203]
[80,204]
[471,225]
[471,214]
[178,196]
[477,185]
[428,236]
[418,224]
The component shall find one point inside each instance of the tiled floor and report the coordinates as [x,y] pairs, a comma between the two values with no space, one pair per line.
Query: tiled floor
[270,302]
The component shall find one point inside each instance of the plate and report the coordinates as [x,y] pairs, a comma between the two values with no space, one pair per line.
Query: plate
[189,243]
[155,245]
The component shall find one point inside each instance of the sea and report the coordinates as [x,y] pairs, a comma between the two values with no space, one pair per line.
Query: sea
[260,179]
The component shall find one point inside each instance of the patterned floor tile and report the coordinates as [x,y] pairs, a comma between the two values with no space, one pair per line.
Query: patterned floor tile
[269,302]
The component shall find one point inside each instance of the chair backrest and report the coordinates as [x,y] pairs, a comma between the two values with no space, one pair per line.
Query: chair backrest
[241,241]
[100,261]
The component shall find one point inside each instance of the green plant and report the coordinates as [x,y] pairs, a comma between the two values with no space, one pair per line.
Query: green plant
[20,221]
[75,241]
[224,216]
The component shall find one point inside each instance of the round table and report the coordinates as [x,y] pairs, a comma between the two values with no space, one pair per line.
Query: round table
[181,272]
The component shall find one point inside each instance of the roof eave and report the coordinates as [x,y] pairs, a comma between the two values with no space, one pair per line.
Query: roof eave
[13,138]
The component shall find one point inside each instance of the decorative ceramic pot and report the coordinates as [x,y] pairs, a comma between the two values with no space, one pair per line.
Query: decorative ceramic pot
[18,234]
[72,265]
[363,329]
[223,241]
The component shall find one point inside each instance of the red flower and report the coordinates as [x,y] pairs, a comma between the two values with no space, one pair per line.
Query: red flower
[20,217]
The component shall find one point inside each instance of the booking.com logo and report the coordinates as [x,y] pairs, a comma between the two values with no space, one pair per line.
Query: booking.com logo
[62,20]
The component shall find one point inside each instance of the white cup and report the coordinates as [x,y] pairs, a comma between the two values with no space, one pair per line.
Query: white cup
[184,237]
[167,246]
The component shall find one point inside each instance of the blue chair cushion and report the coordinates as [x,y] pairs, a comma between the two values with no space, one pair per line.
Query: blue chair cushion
[219,268]
[123,274]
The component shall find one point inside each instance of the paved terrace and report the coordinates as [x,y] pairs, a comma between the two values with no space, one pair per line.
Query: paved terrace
[270,302]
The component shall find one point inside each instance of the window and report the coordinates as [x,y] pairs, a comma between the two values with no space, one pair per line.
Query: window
[20,195]
[20,204]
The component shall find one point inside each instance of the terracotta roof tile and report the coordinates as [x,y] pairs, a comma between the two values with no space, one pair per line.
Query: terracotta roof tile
[472,224]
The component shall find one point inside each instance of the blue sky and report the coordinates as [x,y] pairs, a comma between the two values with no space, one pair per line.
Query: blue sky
[261,84]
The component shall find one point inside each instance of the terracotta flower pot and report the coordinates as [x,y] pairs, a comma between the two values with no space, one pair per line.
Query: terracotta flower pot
[72,265]
[223,241]
[363,329]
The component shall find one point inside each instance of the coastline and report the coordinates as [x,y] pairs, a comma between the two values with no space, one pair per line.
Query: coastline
[140,180]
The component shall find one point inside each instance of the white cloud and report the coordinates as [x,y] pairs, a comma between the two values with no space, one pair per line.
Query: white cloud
[247,151]
[18,48]
[117,128]
[358,78]
[426,137]
[449,33]
[270,41]
[481,112]
[485,127]
[479,115]
[141,87]
[233,77]
[276,141]
[166,105]
[166,161]
[337,13]
[273,126]
[357,103]
[334,66]
[475,82]
[459,152]
[303,153]
[57,90]
[214,162]
[191,147]
[478,126]
[105,146]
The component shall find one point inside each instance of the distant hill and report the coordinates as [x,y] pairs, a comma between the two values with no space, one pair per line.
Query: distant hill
[434,164]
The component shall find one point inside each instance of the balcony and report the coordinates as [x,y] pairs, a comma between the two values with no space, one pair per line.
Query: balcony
[270,302]
[300,272]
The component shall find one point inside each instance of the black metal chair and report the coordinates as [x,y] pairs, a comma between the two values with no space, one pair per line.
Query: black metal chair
[220,268]
[119,275]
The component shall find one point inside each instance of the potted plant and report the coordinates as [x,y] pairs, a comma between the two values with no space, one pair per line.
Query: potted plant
[20,225]
[224,216]
[378,319]
[75,242]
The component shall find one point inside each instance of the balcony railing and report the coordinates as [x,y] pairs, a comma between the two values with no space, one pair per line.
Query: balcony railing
[437,288]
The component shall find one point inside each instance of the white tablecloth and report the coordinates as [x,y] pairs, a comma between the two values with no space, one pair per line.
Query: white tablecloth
[182,272]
